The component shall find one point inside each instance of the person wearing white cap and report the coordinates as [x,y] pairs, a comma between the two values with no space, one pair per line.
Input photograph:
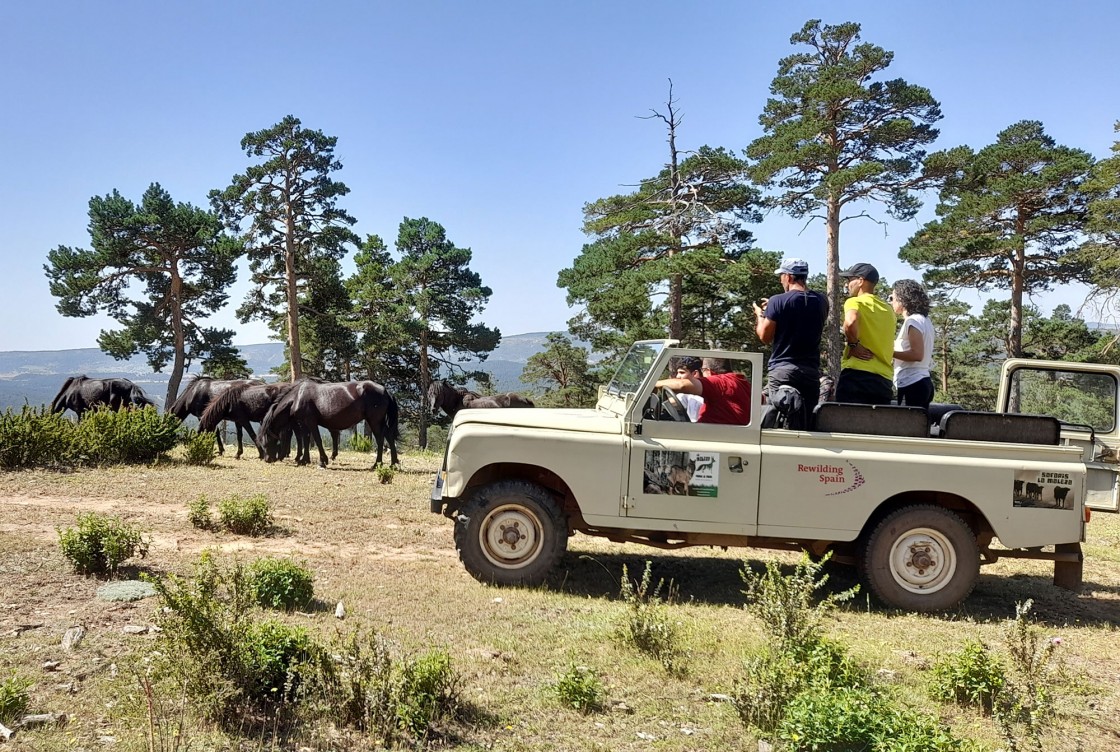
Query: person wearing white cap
[792,322]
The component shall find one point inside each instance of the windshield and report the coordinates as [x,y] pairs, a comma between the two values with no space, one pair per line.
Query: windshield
[634,367]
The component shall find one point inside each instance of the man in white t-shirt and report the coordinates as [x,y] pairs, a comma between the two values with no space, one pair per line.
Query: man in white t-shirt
[913,347]
[689,368]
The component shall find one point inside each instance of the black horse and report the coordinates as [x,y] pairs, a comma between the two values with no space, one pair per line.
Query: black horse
[81,393]
[249,403]
[198,395]
[310,404]
[455,398]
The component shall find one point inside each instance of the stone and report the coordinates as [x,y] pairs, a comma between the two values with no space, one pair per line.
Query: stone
[135,629]
[340,611]
[73,637]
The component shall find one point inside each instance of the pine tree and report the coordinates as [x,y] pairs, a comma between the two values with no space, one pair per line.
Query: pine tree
[836,139]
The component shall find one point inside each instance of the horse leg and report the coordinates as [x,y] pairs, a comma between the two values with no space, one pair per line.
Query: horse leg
[318,445]
[218,439]
[240,447]
[334,445]
[253,437]
[379,439]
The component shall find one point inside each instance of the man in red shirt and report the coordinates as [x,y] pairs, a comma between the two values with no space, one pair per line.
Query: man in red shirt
[727,394]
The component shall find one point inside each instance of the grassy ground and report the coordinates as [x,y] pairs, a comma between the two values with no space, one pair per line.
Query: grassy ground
[380,551]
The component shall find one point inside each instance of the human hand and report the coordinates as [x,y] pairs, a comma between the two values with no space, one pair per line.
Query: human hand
[861,352]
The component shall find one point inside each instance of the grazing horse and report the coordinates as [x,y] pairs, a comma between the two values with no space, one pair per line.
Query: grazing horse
[244,403]
[81,393]
[455,398]
[198,395]
[336,406]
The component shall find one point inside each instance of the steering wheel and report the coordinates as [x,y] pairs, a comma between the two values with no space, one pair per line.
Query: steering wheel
[673,406]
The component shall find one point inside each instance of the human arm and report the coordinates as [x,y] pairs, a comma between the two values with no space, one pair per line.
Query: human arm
[765,328]
[850,327]
[917,344]
[683,386]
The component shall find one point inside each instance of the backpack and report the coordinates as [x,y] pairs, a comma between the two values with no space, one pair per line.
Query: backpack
[785,409]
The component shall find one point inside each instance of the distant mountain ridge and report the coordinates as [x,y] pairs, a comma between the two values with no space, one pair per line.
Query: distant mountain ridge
[35,376]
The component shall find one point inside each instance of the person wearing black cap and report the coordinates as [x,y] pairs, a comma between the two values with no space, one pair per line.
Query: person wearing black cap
[793,322]
[867,368]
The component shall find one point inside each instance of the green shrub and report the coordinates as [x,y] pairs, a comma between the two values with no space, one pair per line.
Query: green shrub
[280,583]
[356,685]
[104,437]
[100,544]
[198,513]
[385,473]
[797,654]
[15,700]
[851,718]
[199,448]
[648,626]
[971,676]
[251,516]
[34,437]
[271,655]
[228,664]
[400,701]
[359,443]
[1024,705]
[426,693]
[579,687]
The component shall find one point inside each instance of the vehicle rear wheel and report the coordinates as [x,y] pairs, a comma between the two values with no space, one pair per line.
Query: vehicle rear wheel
[922,558]
[511,533]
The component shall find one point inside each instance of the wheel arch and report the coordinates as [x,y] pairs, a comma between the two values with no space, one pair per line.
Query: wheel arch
[537,474]
[968,511]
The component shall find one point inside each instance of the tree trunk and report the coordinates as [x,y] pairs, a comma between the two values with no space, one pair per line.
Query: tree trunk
[294,354]
[425,382]
[833,338]
[1018,264]
[179,338]
[676,323]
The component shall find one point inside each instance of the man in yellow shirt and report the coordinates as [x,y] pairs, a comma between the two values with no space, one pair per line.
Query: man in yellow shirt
[867,368]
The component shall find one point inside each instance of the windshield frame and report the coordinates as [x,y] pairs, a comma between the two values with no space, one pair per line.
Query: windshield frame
[635,367]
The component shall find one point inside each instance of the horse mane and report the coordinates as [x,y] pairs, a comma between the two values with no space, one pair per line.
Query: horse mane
[221,405]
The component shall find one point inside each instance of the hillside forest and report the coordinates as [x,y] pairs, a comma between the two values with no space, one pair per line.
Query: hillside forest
[675,257]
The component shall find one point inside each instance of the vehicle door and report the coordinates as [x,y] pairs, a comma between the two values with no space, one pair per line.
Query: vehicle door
[1085,397]
[695,472]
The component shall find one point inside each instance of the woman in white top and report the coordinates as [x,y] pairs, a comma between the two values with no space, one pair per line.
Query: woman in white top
[913,348]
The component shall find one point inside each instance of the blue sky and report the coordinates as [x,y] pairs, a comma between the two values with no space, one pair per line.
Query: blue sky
[497,119]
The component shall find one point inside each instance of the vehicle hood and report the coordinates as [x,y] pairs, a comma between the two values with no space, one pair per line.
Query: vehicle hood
[589,421]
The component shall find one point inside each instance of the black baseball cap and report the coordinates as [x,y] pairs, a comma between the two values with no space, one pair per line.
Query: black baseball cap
[865,271]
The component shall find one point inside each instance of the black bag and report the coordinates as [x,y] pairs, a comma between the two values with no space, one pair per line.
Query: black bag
[785,409]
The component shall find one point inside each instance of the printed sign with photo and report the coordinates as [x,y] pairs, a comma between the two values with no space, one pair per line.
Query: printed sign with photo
[1044,490]
[681,473]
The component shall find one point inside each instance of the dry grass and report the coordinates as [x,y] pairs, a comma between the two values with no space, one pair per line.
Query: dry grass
[378,549]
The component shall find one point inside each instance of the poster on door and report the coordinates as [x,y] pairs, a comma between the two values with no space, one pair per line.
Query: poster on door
[1045,490]
[681,473]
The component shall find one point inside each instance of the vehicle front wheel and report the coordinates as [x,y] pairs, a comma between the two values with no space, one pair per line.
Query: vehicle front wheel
[922,558]
[511,533]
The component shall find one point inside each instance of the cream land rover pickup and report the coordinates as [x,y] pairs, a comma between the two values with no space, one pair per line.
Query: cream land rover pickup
[918,505]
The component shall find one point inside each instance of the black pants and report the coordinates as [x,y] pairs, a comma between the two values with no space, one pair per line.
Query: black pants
[864,387]
[918,394]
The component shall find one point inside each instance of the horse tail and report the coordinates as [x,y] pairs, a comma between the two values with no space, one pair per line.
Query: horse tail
[391,421]
[221,406]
